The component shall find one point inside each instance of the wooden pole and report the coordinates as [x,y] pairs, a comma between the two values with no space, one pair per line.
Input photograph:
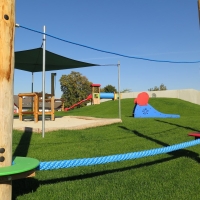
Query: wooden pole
[52,83]
[52,96]
[7,32]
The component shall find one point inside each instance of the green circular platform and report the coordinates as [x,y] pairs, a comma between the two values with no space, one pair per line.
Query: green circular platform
[20,165]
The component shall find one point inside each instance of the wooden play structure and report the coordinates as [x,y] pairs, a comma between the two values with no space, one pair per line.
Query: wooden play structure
[36,99]
[95,94]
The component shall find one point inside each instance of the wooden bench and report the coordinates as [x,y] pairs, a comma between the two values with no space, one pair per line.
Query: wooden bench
[195,134]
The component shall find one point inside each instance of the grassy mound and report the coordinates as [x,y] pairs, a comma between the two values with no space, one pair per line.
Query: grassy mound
[166,176]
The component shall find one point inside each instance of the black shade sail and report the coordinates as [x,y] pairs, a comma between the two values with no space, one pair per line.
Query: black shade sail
[32,60]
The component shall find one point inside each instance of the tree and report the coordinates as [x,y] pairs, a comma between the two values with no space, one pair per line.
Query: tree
[160,88]
[163,87]
[102,90]
[109,88]
[126,90]
[75,87]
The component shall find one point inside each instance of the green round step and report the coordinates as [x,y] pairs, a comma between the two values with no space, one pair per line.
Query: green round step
[20,165]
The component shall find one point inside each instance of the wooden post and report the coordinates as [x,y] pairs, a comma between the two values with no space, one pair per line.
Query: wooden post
[92,100]
[63,106]
[20,107]
[52,108]
[7,32]
[36,107]
[52,96]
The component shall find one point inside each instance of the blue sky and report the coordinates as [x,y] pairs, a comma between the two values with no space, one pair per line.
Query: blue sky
[155,29]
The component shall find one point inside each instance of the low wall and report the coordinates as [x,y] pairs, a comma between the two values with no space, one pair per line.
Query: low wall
[190,95]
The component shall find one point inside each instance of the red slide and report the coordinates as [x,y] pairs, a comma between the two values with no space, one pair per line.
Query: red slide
[80,102]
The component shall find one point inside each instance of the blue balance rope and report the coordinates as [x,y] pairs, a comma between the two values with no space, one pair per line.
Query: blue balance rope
[49,165]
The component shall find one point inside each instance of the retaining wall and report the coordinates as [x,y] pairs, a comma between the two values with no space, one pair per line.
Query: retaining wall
[190,95]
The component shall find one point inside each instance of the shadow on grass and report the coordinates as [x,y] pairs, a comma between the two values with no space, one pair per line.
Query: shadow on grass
[178,153]
[178,125]
[22,150]
[24,186]
[23,146]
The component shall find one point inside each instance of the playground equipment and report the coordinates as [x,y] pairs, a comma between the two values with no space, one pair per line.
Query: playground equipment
[96,95]
[196,135]
[7,85]
[60,164]
[22,167]
[36,99]
[113,96]
[89,97]
[143,110]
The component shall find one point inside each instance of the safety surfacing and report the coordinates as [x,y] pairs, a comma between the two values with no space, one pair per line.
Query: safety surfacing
[63,123]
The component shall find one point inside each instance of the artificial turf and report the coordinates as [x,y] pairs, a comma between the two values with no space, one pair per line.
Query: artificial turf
[166,176]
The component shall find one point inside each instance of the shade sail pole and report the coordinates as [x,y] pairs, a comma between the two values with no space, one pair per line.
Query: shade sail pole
[118,65]
[32,92]
[32,83]
[43,83]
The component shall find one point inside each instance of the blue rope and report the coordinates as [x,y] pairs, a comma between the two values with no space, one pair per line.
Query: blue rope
[117,54]
[113,158]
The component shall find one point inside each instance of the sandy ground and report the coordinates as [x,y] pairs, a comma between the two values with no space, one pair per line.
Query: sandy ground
[66,122]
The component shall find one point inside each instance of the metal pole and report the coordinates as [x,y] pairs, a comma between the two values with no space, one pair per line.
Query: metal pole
[32,92]
[43,83]
[198,6]
[32,83]
[118,65]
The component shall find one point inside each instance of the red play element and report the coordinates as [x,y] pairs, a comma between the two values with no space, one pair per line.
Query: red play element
[195,134]
[95,85]
[142,99]
[80,102]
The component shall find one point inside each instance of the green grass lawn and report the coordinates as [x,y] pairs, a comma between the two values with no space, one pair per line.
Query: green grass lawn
[169,176]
